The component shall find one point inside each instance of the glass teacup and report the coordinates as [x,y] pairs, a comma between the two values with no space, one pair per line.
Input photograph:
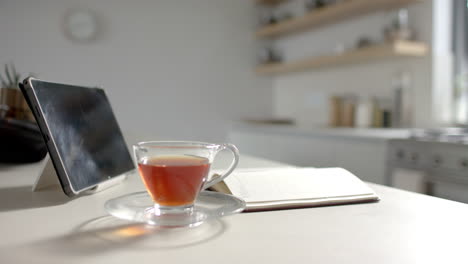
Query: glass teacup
[174,172]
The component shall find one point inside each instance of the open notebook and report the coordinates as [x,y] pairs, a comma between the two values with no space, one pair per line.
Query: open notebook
[281,188]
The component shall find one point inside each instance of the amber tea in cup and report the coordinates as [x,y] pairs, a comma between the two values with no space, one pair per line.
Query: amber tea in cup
[173,180]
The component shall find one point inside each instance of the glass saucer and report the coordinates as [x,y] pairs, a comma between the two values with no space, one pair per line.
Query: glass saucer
[138,207]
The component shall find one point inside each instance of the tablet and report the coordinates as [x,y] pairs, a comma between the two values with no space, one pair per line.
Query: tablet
[82,135]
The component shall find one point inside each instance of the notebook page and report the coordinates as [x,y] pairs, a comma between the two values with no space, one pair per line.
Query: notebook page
[295,184]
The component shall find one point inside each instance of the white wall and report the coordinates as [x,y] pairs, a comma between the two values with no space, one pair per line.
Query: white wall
[173,69]
[299,95]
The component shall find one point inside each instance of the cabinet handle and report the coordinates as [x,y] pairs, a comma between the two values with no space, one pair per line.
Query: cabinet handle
[437,161]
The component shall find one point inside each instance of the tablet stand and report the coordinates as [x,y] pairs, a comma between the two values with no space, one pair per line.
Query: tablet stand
[48,180]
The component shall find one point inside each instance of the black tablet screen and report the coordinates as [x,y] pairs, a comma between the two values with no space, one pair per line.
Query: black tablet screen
[85,132]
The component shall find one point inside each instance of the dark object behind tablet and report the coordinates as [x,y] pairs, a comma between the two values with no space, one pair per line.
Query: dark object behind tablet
[81,133]
[21,142]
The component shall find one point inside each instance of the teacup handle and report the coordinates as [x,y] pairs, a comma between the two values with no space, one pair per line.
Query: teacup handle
[216,178]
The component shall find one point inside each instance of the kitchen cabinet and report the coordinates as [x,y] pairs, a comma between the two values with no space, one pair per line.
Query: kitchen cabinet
[362,152]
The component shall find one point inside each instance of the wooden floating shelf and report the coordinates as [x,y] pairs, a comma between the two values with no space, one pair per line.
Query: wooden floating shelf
[269,2]
[331,14]
[367,54]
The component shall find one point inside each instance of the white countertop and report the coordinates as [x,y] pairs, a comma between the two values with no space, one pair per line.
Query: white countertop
[402,228]
[354,133]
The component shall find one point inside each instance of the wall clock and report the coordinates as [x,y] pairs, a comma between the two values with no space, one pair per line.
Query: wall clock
[81,25]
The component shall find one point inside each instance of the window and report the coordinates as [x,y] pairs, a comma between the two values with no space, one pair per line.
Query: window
[460,47]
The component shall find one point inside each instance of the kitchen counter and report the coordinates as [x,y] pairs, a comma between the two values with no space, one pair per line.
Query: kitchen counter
[354,133]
